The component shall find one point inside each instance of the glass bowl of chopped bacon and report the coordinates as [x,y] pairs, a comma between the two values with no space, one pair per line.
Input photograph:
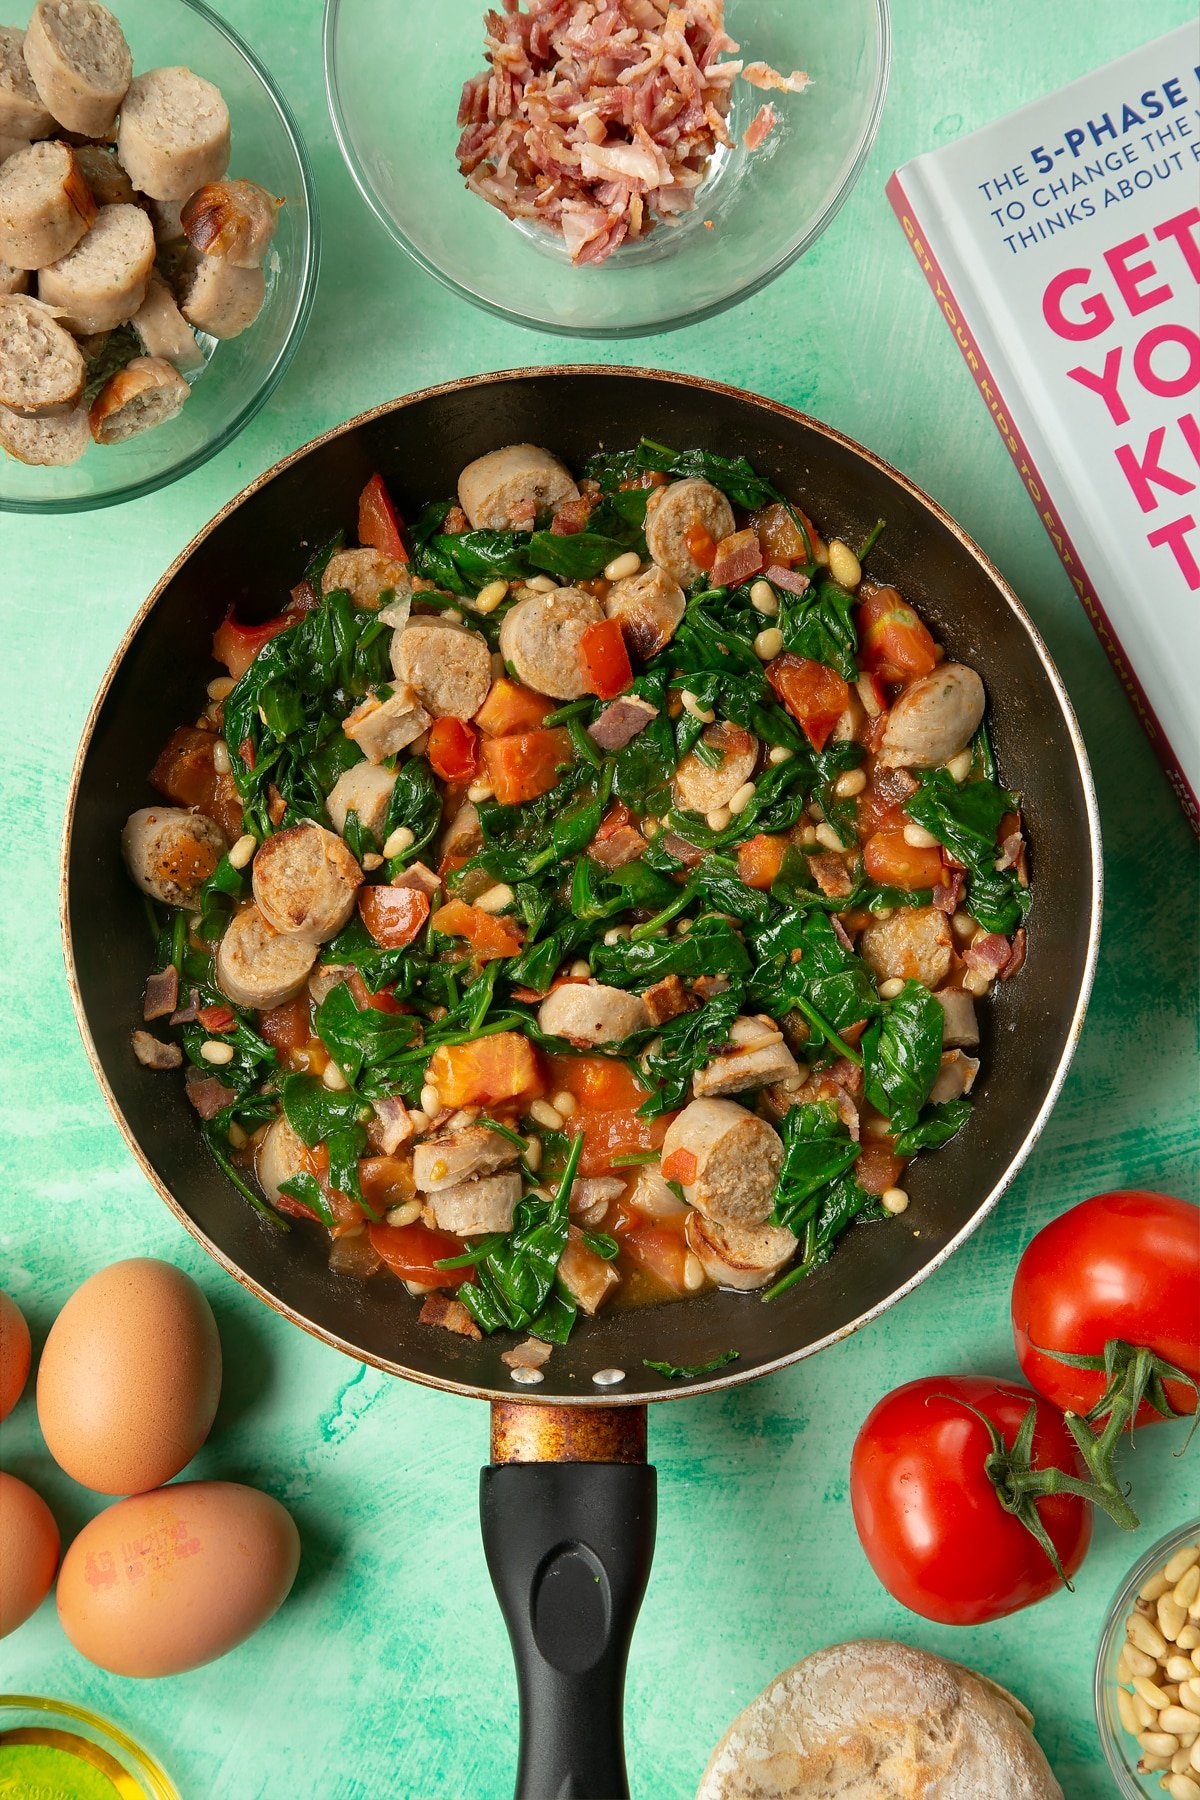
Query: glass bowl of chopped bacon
[606,168]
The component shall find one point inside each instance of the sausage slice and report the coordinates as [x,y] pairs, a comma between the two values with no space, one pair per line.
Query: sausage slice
[23,114]
[281,1156]
[47,442]
[933,719]
[448,668]
[699,788]
[588,1278]
[231,219]
[728,1161]
[223,299]
[102,282]
[736,1256]
[589,1012]
[80,63]
[306,882]
[754,1055]
[960,1026]
[672,511]
[913,945]
[381,728]
[45,205]
[648,607]
[457,1156]
[108,181]
[170,852]
[540,640]
[12,281]
[366,575]
[146,392]
[473,1207]
[365,790]
[163,329]
[174,133]
[498,490]
[256,966]
[41,366]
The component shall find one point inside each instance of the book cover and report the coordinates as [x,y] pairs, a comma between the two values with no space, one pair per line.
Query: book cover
[1062,244]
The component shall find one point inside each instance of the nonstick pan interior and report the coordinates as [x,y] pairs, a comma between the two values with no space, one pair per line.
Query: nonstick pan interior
[252,554]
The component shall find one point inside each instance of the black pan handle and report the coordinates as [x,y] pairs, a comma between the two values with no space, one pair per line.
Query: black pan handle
[569,1543]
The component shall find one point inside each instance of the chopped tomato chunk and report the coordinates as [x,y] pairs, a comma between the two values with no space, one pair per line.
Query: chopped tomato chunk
[680,1166]
[661,1250]
[597,1082]
[287,1027]
[488,935]
[236,645]
[378,521]
[605,660]
[453,750]
[525,766]
[760,860]
[384,1001]
[892,862]
[413,1251]
[393,916]
[216,1018]
[893,642]
[608,1135]
[701,544]
[386,1181]
[186,773]
[504,1066]
[816,696]
[511,708]
[878,1168]
[781,542]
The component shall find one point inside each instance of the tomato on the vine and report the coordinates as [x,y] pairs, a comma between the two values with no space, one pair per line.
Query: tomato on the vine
[931,1483]
[1119,1270]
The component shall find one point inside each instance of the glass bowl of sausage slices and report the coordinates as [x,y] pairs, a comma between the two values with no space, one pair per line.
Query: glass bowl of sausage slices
[584,894]
[156,194]
[610,168]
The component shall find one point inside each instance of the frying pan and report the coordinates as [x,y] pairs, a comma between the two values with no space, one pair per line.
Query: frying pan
[568,1500]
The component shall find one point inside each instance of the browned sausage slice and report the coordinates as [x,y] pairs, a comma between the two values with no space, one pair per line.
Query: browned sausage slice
[306,882]
[672,511]
[174,133]
[509,487]
[729,1161]
[80,63]
[45,205]
[146,392]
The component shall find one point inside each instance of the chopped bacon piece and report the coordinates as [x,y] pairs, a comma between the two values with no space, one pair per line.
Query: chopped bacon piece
[738,557]
[948,893]
[761,126]
[452,1315]
[840,933]
[667,999]
[613,849]
[391,1125]
[621,722]
[162,994]
[687,853]
[789,579]
[988,955]
[571,517]
[532,1354]
[186,1015]
[207,1094]
[831,875]
[419,877]
[153,1053]
[216,1018]
[1016,960]
[455,522]
[706,986]
[762,75]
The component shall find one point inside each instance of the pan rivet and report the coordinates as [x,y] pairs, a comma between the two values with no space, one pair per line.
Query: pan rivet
[528,1377]
[608,1377]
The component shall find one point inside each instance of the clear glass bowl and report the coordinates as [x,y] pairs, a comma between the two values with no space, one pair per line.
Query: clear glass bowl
[394,71]
[51,1747]
[239,375]
[1120,1749]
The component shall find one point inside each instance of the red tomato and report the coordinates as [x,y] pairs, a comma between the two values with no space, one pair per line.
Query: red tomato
[393,916]
[379,522]
[411,1251]
[892,640]
[928,1517]
[386,1181]
[287,1027]
[701,544]
[236,645]
[815,696]
[892,861]
[453,750]
[384,1001]
[661,1250]
[605,660]
[216,1018]
[1123,1266]
[186,773]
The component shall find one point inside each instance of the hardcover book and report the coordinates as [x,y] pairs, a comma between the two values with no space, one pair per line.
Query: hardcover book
[1062,245]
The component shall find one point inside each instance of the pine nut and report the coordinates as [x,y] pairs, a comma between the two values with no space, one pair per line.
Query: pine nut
[768,644]
[976,983]
[1145,1714]
[885,912]
[1153,1586]
[894,1200]
[780,754]
[851,783]
[1139,1662]
[1196,1756]
[565,1103]
[579,968]
[763,599]
[1181,1762]
[963,926]
[496,899]
[480,790]
[542,584]
[333,1079]
[808,836]
[1179,1720]
[489,598]
[959,767]
[418,1120]
[1179,1668]
[239,1140]
[406,1214]
[1150,1691]
[216,1052]
[691,705]
[718,819]
[621,567]
[542,1113]
[1182,1787]
[221,687]
[452,616]
[1126,1712]
[402,839]
[1189,1689]
[1171,1617]
[1180,1563]
[889,989]
[243,851]
[431,1100]
[1189,1638]
[372,861]
[1147,1637]
[828,838]
[844,566]
[742,798]
[919,839]
[1187,1587]
[693,1273]
[221,757]
[533,1154]
[616,934]
[1153,1765]
[1158,1743]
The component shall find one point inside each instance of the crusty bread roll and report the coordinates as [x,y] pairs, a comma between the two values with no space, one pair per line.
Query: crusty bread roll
[103,281]
[41,365]
[80,63]
[45,205]
[174,133]
[879,1721]
[22,112]
[48,442]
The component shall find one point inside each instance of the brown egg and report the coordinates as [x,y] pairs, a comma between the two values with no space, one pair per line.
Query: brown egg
[166,1581]
[28,1552]
[130,1377]
[14,1354]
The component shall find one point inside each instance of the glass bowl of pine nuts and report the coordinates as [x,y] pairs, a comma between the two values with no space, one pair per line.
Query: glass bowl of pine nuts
[1147,1688]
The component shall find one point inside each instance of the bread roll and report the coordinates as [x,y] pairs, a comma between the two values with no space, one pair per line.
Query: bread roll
[879,1721]
[80,63]
[174,133]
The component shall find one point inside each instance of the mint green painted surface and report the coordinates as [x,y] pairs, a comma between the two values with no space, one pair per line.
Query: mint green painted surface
[387,1673]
